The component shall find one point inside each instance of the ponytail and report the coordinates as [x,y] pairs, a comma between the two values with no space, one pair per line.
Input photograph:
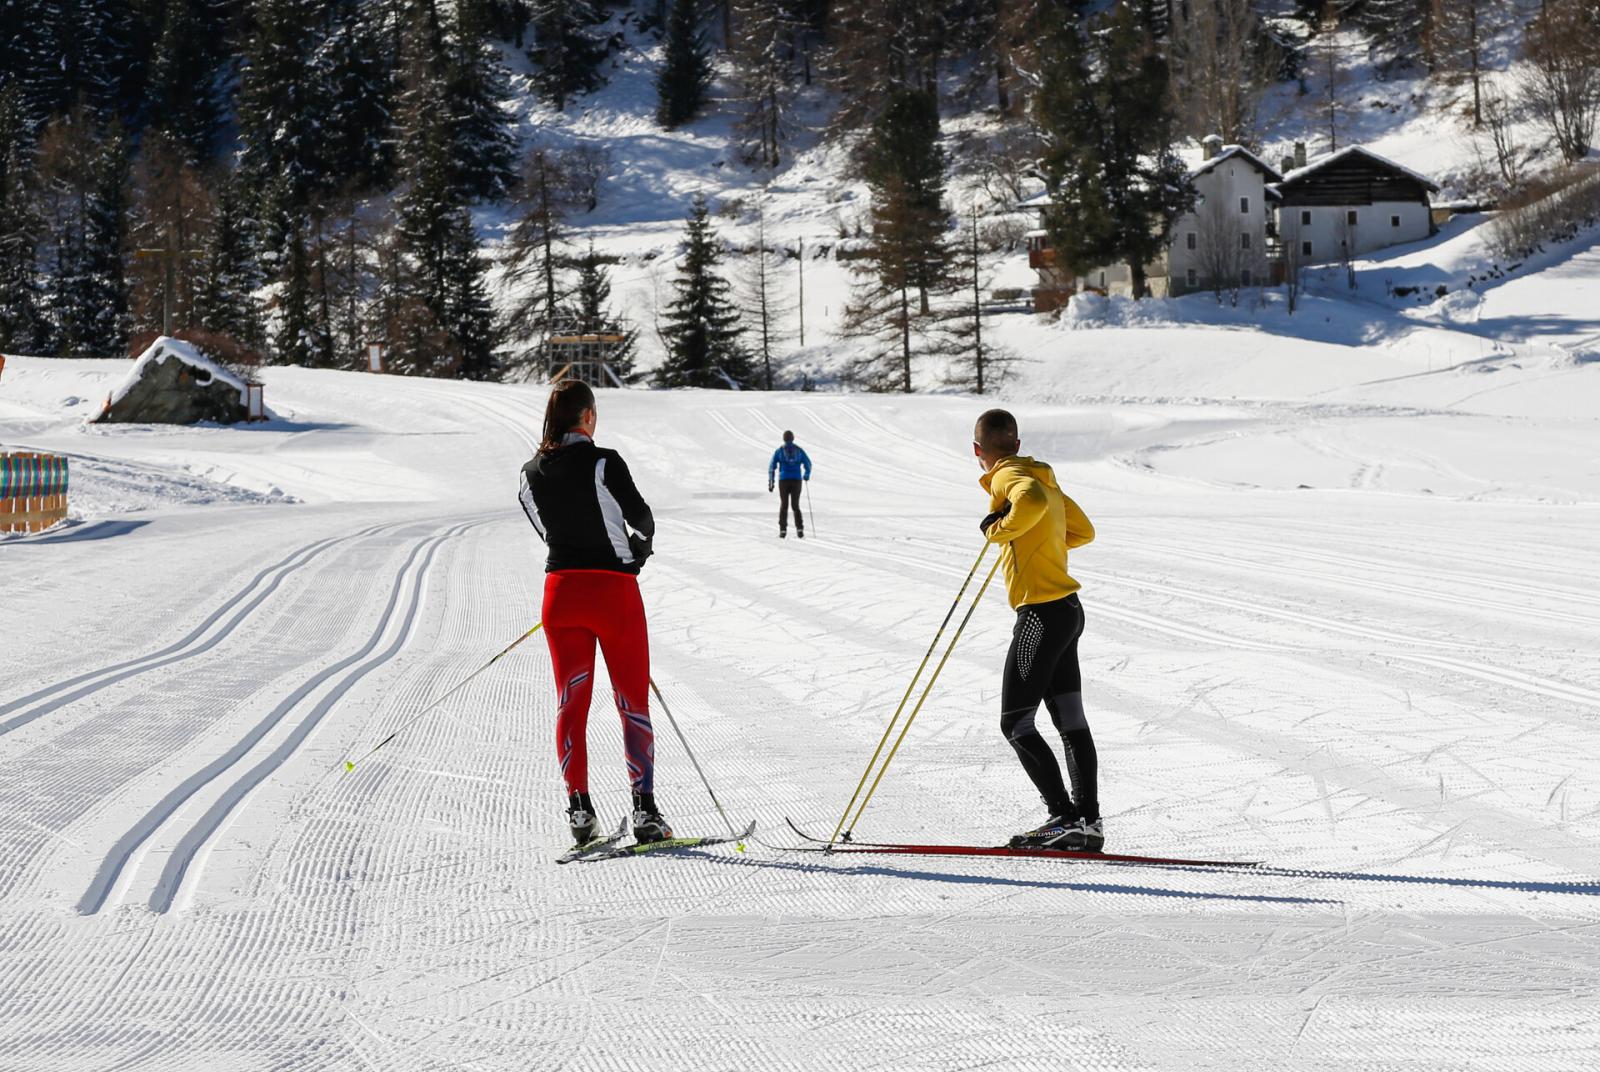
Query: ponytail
[568,400]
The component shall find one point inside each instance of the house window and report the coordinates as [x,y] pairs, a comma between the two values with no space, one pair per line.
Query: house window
[1244,277]
[1192,278]
[1189,240]
[1305,217]
[1305,249]
[1394,221]
[1350,217]
[1244,204]
[1244,240]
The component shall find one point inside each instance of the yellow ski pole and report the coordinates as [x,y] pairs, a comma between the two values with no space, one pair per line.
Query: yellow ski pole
[923,699]
[934,643]
[350,764]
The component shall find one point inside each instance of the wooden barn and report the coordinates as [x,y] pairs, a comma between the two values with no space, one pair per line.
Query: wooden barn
[1349,203]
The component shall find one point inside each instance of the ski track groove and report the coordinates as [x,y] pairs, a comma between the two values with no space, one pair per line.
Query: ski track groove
[208,825]
[176,652]
[117,745]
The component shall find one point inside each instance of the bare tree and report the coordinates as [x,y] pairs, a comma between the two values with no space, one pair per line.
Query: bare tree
[977,360]
[1562,81]
[1293,257]
[1499,123]
[1222,64]
[1220,258]
[1331,66]
[761,300]
[1456,37]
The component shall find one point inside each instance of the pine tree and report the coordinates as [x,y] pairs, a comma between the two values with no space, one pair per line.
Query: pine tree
[701,332]
[591,307]
[181,95]
[763,77]
[566,50]
[1104,113]
[299,339]
[686,70]
[904,161]
[281,104]
[907,258]
[22,326]
[356,71]
[72,53]
[440,246]
[485,151]
[83,171]
[230,272]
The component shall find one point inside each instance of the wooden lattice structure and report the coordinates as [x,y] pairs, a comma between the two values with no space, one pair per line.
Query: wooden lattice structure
[570,352]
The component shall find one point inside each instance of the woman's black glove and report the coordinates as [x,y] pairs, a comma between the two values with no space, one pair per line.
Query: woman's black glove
[991,518]
[640,546]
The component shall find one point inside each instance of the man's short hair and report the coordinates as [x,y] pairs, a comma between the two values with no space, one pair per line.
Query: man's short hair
[788,437]
[997,431]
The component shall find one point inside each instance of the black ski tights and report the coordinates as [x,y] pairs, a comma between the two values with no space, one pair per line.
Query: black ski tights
[1042,666]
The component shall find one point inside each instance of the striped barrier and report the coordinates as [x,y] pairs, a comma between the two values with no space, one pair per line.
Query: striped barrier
[33,491]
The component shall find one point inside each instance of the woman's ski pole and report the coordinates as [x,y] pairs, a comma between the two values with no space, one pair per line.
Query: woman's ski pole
[932,644]
[924,698]
[662,700]
[350,764]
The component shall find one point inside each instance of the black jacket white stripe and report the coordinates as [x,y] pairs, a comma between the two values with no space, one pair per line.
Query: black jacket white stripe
[583,504]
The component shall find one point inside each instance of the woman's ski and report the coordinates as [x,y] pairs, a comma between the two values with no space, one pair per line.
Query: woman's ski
[614,851]
[906,849]
[597,844]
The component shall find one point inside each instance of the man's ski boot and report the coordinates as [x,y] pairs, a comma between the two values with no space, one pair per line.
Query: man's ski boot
[783,534]
[800,533]
[580,818]
[648,825]
[1058,832]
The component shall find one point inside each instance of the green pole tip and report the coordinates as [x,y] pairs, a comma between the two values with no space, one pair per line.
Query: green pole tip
[349,766]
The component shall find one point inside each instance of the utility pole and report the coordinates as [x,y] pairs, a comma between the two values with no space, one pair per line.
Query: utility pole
[802,263]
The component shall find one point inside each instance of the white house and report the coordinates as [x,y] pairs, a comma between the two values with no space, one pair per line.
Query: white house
[1349,203]
[1250,223]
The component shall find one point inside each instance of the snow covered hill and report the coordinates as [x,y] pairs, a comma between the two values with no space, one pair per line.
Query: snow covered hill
[1382,683]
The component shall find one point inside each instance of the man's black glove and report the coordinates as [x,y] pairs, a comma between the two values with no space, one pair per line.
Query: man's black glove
[640,546]
[991,518]
[769,485]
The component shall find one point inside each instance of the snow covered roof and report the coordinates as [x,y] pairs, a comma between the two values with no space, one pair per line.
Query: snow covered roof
[1038,200]
[1229,152]
[1355,150]
[165,347]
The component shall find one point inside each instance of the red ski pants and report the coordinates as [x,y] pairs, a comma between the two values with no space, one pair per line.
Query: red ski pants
[580,608]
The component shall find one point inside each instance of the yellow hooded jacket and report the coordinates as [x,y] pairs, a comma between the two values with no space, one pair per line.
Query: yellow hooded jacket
[1034,537]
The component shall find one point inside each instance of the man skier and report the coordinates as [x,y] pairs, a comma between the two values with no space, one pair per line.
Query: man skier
[1035,524]
[787,462]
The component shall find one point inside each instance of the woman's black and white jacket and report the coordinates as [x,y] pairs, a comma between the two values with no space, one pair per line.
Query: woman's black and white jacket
[583,504]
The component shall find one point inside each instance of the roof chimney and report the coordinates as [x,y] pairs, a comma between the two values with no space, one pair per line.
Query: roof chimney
[1299,154]
[1288,165]
[1209,146]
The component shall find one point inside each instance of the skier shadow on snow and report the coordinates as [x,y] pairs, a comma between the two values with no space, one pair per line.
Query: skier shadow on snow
[921,875]
[1581,889]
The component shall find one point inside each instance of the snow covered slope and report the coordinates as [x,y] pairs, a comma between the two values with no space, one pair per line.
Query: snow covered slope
[1389,695]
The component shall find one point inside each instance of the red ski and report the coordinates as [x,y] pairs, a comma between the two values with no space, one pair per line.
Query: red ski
[896,848]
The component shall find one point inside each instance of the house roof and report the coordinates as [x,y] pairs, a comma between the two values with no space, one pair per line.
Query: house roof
[1353,151]
[1230,152]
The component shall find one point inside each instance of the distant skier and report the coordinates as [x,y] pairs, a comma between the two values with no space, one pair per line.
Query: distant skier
[1035,524]
[598,529]
[788,462]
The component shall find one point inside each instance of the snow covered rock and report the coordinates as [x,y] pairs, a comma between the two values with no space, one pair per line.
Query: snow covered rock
[173,383]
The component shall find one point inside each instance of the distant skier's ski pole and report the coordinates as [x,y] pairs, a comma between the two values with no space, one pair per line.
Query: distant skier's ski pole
[932,644]
[812,514]
[350,764]
[924,697]
[662,700]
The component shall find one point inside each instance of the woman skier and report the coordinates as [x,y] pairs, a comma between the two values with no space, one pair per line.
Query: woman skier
[582,502]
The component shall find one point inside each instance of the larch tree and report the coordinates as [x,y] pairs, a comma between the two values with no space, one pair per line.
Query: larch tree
[536,258]
[1222,65]
[763,78]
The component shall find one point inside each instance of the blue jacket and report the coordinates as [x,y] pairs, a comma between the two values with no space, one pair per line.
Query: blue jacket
[787,461]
